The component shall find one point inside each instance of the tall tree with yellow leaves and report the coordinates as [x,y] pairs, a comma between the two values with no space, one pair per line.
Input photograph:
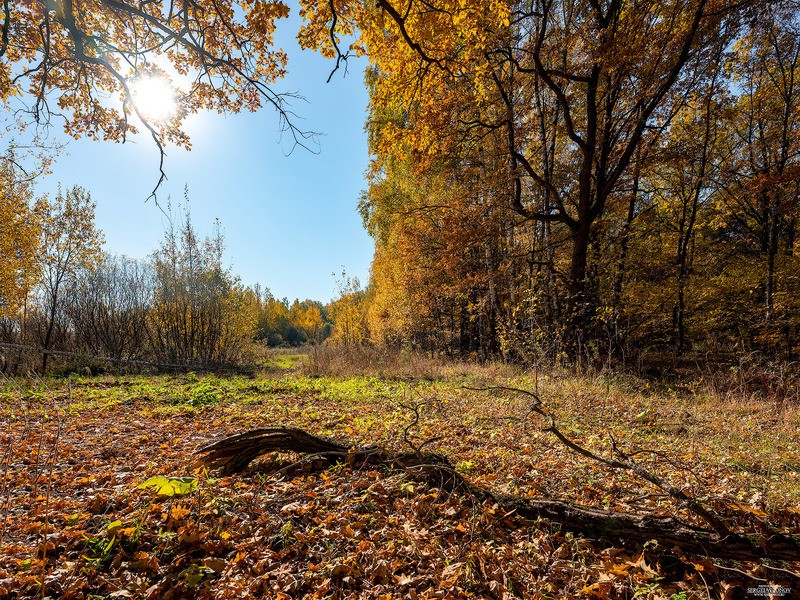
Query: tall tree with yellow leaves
[19,239]
[762,180]
[573,88]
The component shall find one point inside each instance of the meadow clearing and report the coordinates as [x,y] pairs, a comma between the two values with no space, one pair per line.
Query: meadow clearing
[102,495]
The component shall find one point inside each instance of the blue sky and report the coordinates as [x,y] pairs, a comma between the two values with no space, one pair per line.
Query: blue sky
[289,221]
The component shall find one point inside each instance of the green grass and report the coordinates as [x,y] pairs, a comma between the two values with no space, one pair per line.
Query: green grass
[284,360]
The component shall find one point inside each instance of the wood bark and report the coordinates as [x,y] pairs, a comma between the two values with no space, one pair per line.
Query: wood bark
[233,454]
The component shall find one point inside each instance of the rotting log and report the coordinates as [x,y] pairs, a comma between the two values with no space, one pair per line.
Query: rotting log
[638,529]
[234,453]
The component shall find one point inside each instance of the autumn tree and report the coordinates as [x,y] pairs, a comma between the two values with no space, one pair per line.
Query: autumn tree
[84,61]
[283,324]
[569,135]
[307,316]
[348,314]
[574,87]
[19,239]
[433,290]
[760,203]
[70,243]
[273,320]
[275,326]
[201,316]
[676,192]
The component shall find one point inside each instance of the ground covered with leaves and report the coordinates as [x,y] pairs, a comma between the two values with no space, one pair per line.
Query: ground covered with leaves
[101,495]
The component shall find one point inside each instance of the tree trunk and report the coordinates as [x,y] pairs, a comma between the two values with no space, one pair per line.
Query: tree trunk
[49,335]
[580,311]
[772,251]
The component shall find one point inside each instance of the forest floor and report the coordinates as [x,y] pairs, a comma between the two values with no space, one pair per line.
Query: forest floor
[76,521]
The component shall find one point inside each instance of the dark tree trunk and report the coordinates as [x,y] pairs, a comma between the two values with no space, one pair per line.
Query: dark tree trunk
[772,251]
[580,309]
[49,334]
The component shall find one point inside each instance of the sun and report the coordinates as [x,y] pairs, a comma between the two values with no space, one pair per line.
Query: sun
[154,97]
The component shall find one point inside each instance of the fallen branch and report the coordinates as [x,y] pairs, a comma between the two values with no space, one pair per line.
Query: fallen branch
[234,453]
[622,461]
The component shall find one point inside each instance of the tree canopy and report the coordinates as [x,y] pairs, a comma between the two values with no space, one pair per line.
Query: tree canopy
[81,61]
[535,164]
[529,159]
[19,239]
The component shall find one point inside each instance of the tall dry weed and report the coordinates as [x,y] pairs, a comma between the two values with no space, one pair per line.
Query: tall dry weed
[398,364]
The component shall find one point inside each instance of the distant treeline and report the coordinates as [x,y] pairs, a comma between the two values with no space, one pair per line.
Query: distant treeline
[180,306]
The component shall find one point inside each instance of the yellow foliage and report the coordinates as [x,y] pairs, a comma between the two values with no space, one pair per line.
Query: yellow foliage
[19,241]
[79,52]
[349,316]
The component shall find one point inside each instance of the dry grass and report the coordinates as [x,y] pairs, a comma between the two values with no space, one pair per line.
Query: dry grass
[397,365]
[719,434]
[744,446]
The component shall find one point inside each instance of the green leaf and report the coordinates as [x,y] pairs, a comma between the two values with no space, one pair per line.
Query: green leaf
[113,525]
[170,486]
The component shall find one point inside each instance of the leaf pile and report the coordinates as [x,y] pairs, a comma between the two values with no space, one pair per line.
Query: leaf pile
[100,496]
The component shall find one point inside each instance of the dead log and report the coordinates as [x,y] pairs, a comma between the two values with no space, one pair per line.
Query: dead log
[233,454]
[638,529]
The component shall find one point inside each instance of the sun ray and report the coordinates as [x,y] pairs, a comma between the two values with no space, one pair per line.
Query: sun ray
[154,97]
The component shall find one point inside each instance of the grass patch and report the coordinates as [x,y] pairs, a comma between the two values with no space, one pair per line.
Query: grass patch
[284,360]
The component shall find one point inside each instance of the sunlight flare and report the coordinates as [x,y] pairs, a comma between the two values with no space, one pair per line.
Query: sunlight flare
[154,97]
